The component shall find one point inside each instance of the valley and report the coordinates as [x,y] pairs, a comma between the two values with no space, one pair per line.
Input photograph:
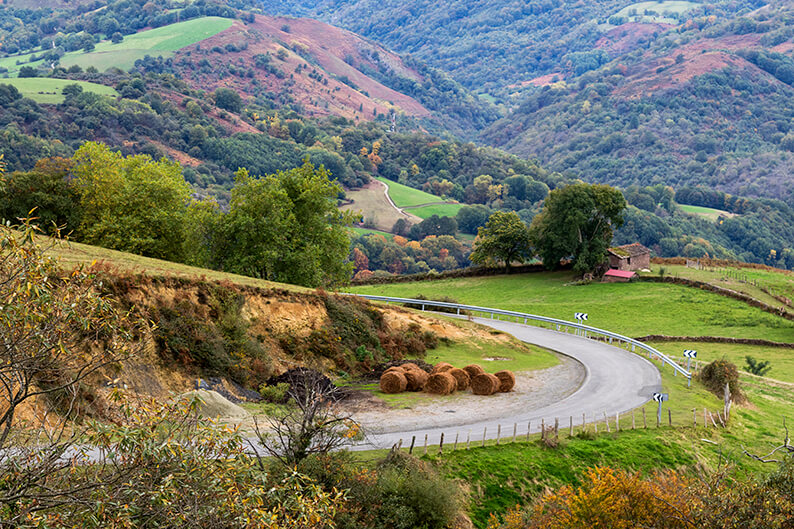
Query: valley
[583,210]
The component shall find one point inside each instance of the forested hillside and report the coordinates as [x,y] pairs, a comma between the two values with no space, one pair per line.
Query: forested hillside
[707,104]
[493,46]
[679,93]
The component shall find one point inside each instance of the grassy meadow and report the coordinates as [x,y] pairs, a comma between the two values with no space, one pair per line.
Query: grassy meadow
[632,309]
[749,281]
[781,359]
[159,41]
[71,254]
[403,195]
[707,213]
[50,91]
[442,210]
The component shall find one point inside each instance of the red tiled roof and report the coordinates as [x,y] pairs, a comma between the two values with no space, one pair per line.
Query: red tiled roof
[620,273]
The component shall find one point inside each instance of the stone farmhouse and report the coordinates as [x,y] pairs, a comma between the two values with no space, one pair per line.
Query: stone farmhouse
[629,257]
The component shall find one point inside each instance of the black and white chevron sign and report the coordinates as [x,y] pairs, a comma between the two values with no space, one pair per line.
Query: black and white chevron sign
[690,353]
[580,316]
[660,397]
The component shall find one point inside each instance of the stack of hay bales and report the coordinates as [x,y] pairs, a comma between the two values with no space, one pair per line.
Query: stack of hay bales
[445,379]
[405,377]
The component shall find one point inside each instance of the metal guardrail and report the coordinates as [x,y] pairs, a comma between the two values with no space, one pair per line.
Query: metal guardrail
[586,330]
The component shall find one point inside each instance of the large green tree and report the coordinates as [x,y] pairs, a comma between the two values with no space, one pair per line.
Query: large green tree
[504,238]
[285,227]
[576,223]
[133,203]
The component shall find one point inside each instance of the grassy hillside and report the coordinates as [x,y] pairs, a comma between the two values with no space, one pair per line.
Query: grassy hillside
[73,254]
[633,309]
[403,195]
[159,41]
[417,202]
[707,213]
[50,91]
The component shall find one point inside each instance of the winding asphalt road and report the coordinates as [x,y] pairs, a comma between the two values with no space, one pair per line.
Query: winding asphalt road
[617,381]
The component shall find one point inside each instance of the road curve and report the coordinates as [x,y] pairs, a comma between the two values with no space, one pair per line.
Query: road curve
[616,381]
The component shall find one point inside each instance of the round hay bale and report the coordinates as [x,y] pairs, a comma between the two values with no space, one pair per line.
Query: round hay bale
[416,379]
[506,380]
[473,370]
[409,365]
[485,384]
[441,384]
[394,369]
[393,382]
[441,367]
[461,377]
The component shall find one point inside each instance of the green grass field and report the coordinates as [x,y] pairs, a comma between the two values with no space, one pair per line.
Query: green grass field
[442,210]
[746,280]
[159,41]
[49,91]
[707,213]
[356,231]
[403,195]
[661,8]
[781,359]
[633,309]
[71,254]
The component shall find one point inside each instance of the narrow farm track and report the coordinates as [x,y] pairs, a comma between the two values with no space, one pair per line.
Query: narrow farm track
[616,381]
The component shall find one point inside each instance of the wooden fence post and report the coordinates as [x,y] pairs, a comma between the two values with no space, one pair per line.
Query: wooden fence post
[455,446]
[571,433]
[669,417]
[425,444]
[413,440]
[556,429]
[498,433]
[632,420]
[542,429]
[468,438]
[515,431]
[529,429]
[644,420]
[484,431]
[617,421]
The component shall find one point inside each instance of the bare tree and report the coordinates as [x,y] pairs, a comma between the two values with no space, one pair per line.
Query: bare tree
[314,425]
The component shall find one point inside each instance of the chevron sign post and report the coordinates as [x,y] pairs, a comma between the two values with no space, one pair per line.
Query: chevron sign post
[660,397]
[689,354]
[581,316]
